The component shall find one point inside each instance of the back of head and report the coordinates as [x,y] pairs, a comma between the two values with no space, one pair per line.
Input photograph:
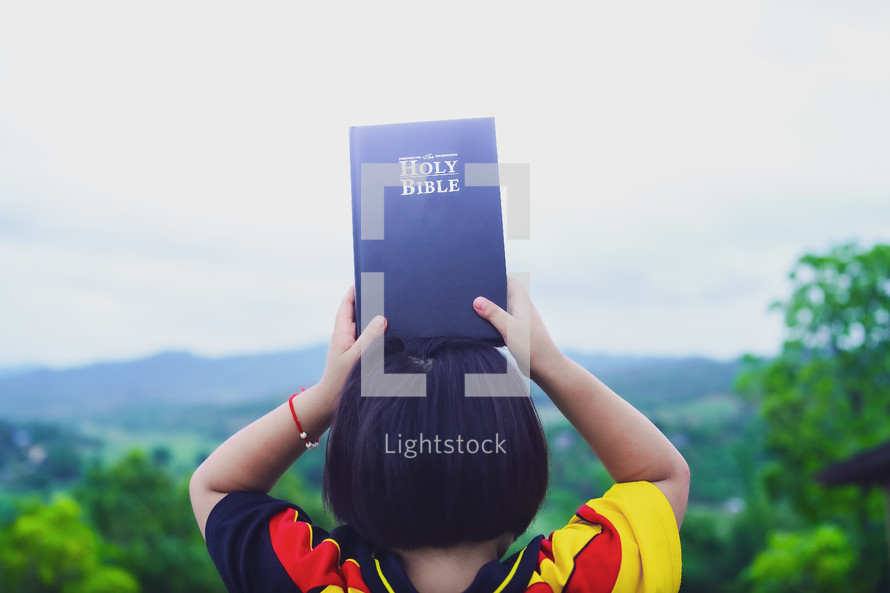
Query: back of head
[435,471]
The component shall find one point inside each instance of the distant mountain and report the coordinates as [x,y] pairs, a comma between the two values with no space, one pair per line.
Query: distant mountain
[180,380]
[172,378]
[652,381]
[18,370]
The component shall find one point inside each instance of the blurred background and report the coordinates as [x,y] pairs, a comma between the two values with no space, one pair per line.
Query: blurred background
[175,236]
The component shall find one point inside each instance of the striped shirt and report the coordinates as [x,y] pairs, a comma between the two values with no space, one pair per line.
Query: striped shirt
[626,541]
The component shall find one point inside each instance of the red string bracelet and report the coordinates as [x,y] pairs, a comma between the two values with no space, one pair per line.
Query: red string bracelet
[303,435]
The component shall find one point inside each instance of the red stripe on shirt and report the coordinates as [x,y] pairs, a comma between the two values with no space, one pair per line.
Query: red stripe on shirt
[600,558]
[306,565]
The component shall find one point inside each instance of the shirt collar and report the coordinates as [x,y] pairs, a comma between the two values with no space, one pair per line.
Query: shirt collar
[383,572]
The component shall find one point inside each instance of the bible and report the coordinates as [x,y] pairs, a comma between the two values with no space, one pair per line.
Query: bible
[427,227]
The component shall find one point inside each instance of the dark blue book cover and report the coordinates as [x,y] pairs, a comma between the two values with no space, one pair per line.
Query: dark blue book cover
[426,241]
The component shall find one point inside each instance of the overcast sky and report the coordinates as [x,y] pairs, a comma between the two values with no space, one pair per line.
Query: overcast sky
[176,175]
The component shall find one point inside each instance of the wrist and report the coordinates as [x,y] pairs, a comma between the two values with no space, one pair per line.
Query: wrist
[312,412]
[546,369]
[327,395]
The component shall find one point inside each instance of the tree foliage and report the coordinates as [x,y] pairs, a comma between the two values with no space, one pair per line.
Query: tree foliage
[139,508]
[36,457]
[813,561]
[827,395]
[49,549]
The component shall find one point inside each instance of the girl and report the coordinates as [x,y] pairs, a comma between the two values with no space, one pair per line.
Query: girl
[432,491]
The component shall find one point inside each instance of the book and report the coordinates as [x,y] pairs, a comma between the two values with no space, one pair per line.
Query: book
[427,242]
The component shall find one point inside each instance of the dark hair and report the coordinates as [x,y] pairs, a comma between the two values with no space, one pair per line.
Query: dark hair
[436,498]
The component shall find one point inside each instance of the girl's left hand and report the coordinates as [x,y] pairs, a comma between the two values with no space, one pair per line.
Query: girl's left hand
[344,349]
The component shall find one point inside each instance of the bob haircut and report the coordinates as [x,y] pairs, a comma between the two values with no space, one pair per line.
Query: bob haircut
[431,496]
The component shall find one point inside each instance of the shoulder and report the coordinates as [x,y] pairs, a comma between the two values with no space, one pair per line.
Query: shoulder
[625,541]
[261,543]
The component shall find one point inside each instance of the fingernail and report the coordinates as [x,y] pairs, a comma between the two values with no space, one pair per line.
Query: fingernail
[379,322]
[479,304]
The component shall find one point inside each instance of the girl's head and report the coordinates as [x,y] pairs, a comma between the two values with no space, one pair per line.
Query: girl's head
[445,469]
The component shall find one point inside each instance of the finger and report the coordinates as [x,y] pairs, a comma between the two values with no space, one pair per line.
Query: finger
[344,321]
[375,329]
[491,312]
[346,310]
[518,302]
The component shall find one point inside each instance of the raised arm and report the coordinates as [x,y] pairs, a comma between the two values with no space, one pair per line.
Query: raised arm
[256,457]
[630,447]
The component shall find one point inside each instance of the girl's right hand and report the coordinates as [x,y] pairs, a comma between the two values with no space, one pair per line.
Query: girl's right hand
[344,349]
[523,331]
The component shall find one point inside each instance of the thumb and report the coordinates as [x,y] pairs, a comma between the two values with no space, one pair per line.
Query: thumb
[493,313]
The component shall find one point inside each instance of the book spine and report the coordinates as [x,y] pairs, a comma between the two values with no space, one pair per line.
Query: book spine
[356,164]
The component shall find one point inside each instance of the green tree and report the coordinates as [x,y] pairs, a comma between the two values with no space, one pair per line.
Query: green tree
[815,561]
[827,395]
[139,508]
[49,549]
